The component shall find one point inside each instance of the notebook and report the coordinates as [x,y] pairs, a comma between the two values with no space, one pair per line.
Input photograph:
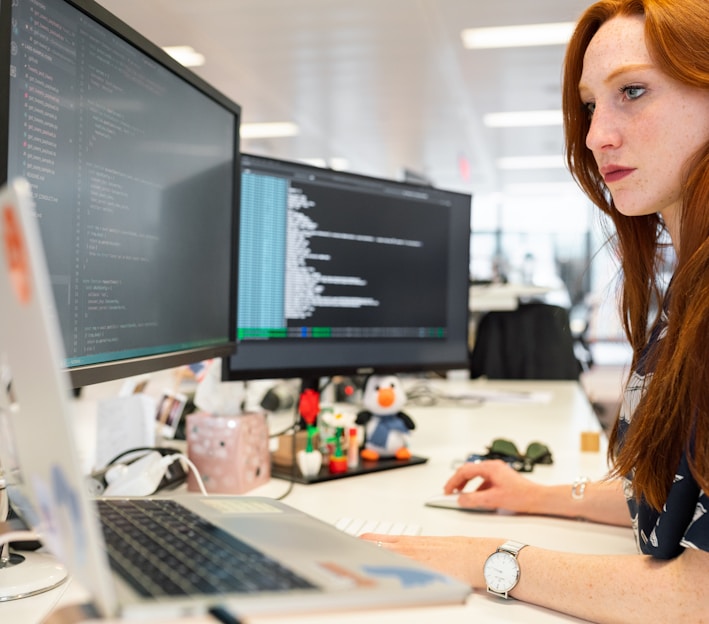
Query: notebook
[47,488]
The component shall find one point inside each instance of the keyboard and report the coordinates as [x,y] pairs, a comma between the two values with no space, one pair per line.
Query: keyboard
[357,526]
[161,548]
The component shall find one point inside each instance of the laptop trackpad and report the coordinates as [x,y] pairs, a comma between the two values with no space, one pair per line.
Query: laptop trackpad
[291,532]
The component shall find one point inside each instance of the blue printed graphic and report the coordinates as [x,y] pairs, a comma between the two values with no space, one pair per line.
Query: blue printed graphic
[406,576]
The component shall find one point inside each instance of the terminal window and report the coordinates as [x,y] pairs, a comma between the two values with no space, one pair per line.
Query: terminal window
[328,256]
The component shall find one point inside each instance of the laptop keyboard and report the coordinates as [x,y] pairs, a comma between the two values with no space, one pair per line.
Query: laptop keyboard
[162,549]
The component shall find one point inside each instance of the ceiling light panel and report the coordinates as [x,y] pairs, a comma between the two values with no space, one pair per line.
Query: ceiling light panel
[268,130]
[517,119]
[510,163]
[557,33]
[187,56]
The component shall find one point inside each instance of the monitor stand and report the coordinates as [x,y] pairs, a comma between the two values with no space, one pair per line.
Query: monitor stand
[28,574]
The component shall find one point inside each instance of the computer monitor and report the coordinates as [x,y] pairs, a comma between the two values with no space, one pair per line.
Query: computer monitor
[346,274]
[134,167]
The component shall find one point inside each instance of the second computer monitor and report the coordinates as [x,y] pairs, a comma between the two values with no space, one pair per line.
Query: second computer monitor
[348,274]
[134,167]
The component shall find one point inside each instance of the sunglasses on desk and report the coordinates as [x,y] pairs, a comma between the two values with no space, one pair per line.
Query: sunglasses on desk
[507,451]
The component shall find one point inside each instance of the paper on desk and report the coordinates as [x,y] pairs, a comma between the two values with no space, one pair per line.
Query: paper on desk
[507,396]
[123,423]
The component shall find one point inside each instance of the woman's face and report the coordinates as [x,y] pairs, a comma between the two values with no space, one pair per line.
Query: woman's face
[645,126]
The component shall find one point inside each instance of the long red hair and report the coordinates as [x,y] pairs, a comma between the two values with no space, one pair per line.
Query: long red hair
[673,416]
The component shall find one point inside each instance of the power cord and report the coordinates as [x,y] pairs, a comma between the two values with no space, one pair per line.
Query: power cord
[4,500]
[293,429]
[145,474]
[194,469]
[10,535]
[98,480]
[8,532]
[426,395]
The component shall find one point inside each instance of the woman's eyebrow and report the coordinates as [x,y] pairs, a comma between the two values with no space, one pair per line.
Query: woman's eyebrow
[624,69]
[619,71]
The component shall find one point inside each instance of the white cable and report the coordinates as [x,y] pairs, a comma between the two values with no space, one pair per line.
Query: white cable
[16,535]
[4,512]
[4,501]
[194,470]
[7,533]
[143,476]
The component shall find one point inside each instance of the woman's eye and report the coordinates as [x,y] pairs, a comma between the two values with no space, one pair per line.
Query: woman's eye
[632,92]
[590,107]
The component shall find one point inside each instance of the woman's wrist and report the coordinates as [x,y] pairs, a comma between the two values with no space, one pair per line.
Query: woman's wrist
[584,499]
[540,500]
[556,500]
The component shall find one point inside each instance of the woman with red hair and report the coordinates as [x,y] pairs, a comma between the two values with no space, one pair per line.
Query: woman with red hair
[636,116]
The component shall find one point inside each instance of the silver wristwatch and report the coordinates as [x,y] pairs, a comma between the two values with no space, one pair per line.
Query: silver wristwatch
[501,569]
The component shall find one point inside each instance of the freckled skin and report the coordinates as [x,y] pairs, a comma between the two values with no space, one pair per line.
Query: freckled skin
[653,129]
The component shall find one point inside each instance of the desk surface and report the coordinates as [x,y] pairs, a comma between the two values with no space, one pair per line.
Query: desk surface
[446,432]
[483,298]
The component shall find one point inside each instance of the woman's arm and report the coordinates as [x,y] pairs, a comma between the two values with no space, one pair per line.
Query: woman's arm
[602,501]
[600,588]
[503,488]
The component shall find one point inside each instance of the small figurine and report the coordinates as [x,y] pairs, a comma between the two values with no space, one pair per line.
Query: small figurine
[309,460]
[333,424]
[386,427]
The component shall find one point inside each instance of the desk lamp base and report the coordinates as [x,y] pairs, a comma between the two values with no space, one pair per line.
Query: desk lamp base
[29,574]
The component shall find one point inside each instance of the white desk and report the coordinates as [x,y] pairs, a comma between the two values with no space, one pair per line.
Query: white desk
[488,297]
[446,433]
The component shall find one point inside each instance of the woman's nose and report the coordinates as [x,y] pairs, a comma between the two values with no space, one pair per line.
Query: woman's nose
[603,131]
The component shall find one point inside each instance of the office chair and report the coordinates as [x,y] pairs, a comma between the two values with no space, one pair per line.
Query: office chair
[532,342]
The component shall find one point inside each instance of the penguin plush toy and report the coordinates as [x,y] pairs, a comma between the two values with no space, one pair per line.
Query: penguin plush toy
[386,427]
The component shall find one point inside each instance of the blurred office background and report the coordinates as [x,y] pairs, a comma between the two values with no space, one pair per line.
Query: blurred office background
[419,89]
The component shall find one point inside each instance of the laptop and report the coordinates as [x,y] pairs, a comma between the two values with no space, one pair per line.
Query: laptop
[335,571]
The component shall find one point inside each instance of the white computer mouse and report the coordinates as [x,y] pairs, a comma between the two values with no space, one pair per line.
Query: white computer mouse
[450,501]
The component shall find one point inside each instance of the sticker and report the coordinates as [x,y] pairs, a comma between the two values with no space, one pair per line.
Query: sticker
[16,254]
[407,577]
[354,578]
[62,525]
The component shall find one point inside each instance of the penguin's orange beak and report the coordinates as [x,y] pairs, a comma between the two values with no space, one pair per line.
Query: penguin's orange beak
[385,397]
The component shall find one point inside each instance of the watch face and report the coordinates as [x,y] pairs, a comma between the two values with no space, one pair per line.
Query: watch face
[501,572]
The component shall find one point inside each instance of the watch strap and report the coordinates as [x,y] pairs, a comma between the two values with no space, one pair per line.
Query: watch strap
[512,547]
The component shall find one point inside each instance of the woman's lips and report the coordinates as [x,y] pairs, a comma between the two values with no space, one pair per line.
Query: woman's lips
[613,173]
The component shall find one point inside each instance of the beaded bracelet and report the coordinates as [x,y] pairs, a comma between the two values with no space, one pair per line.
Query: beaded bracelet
[578,487]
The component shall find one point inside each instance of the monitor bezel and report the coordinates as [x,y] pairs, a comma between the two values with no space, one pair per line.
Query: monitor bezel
[127,367]
[310,373]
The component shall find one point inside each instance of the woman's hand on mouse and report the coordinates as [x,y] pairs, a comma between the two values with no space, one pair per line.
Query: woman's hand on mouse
[502,487]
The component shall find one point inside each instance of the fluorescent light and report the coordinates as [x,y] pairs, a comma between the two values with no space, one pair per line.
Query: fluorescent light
[314,162]
[543,188]
[336,164]
[268,130]
[523,118]
[185,55]
[555,161]
[339,164]
[518,36]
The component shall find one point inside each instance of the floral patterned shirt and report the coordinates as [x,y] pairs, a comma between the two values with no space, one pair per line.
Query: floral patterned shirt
[683,522]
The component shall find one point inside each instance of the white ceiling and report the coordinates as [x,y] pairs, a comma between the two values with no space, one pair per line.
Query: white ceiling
[384,84]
